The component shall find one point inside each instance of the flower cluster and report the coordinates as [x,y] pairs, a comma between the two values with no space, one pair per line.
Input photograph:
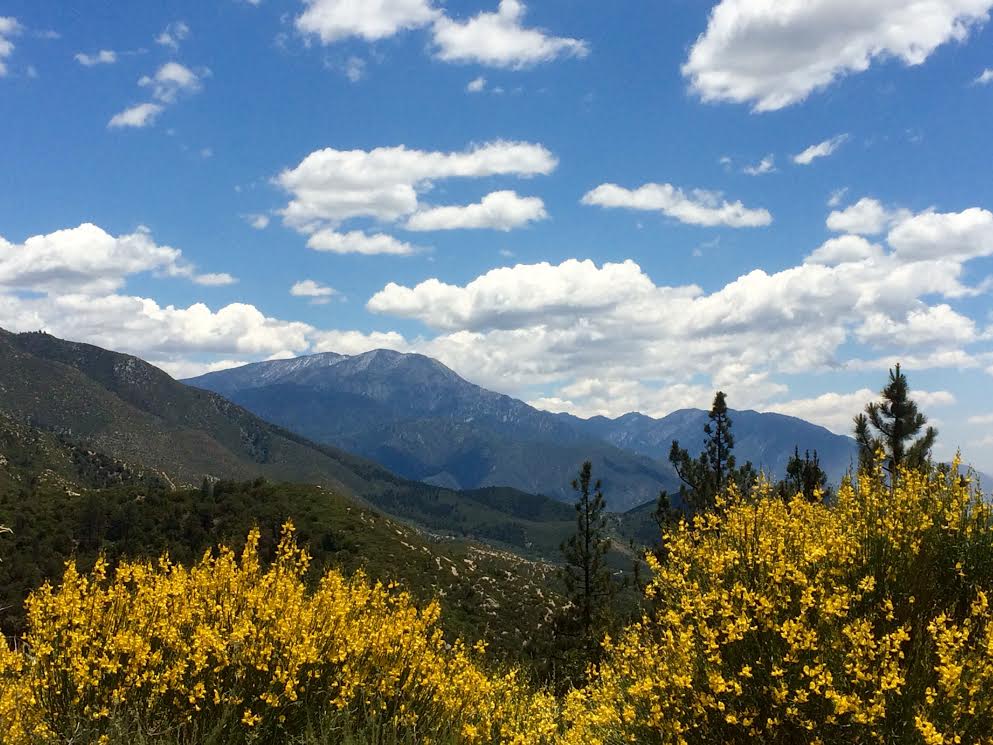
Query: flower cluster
[866,620]
[230,644]
[784,622]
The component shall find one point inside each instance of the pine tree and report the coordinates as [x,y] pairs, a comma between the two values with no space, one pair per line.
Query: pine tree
[587,578]
[715,469]
[804,476]
[897,422]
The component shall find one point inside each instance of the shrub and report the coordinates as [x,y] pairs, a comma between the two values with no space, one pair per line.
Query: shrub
[866,621]
[227,651]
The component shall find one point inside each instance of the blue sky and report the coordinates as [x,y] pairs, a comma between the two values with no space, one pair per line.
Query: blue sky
[594,207]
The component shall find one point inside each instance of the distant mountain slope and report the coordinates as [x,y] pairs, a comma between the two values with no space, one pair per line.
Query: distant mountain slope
[119,405]
[422,420]
[765,439]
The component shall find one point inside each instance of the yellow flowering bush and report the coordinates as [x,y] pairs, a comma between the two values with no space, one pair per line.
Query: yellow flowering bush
[240,653]
[790,622]
[867,620]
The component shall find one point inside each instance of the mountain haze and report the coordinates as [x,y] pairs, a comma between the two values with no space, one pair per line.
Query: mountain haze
[423,421]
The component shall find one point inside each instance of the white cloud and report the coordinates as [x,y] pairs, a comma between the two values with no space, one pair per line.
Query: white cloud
[309,288]
[845,248]
[954,236]
[330,185]
[258,222]
[499,39]
[8,27]
[173,34]
[87,260]
[937,326]
[358,242]
[766,165]
[820,150]
[355,69]
[981,419]
[170,80]
[168,83]
[985,77]
[141,115]
[141,326]
[333,20]
[500,210]
[698,207]
[837,411]
[866,217]
[548,328]
[214,280]
[837,197]
[773,55]
[477,85]
[103,57]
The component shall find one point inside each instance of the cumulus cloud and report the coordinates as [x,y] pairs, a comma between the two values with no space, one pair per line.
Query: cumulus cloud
[319,294]
[476,85]
[87,260]
[358,242]
[103,57]
[952,236]
[866,217]
[68,282]
[172,79]
[499,39]
[773,55]
[844,249]
[581,332]
[697,207]
[501,210]
[333,20]
[8,27]
[173,34]
[985,77]
[167,84]
[140,115]
[219,279]
[330,187]
[820,150]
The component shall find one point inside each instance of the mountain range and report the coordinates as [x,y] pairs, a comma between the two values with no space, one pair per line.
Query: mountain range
[421,420]
[54,391]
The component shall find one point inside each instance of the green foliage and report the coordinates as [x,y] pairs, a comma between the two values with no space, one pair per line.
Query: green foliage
[890,426]
[587,578]
[485,592]
[715,469]
[804,476]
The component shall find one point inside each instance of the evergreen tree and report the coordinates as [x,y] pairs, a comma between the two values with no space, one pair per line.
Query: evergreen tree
[587,578]
[804,476]
[715,469]
[896,422]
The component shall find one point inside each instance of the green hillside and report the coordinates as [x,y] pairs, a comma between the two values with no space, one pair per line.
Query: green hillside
[119,405]
[63,502]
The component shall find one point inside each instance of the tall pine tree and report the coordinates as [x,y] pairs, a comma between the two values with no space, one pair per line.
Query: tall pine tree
[890,426]
[715,469]
[587,579]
